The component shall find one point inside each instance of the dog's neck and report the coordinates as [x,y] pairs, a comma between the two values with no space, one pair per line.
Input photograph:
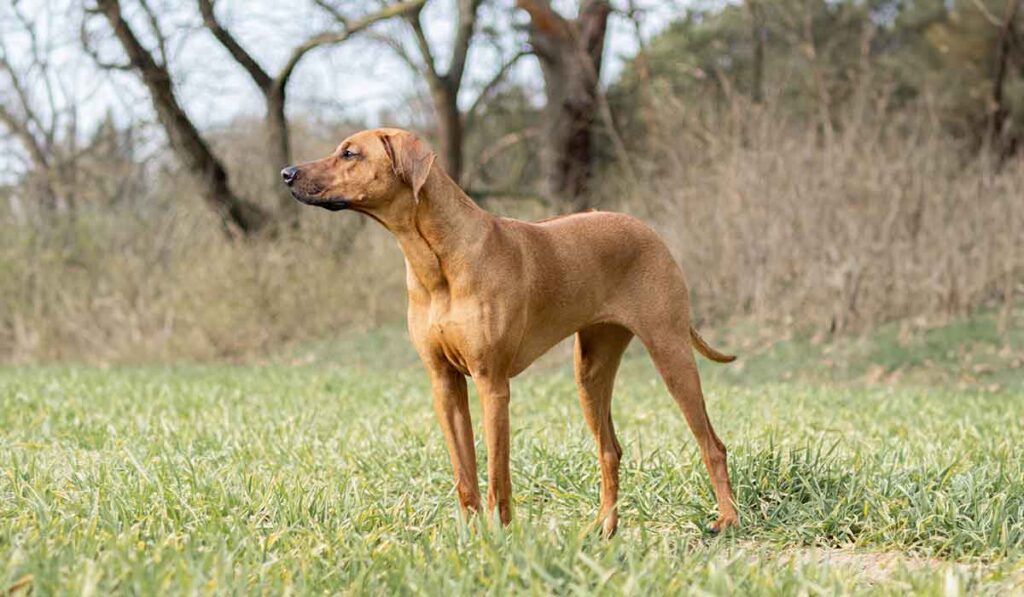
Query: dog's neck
[444,230]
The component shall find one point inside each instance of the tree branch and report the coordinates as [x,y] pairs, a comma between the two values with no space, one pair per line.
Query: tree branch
[351,28]
[28,140]
[463,37]
[161,41]
[504,143]
[491,85]
[424,47]
[22,94]
[399,51]
[241,56]
[334,12]
[985,12]
[83,35]
[544,18]
[40,62]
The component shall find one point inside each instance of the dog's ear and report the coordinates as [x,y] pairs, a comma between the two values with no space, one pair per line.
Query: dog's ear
[411,159]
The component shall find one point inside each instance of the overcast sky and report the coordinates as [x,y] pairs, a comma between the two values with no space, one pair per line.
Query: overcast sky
[360,79]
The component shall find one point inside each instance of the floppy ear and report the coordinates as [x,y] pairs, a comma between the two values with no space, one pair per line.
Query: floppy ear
[411,159]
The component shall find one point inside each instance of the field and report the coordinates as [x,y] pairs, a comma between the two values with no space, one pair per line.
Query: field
[323,472]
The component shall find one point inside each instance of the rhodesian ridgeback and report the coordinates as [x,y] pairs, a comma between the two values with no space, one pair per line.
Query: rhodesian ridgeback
[489,295]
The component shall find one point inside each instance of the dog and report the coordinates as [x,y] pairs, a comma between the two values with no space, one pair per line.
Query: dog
[489,295]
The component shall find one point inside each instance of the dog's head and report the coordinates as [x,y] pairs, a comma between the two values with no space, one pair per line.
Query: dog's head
[369,171]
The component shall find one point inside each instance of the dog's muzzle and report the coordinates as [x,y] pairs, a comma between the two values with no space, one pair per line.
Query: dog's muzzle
[328,204]
[291,173]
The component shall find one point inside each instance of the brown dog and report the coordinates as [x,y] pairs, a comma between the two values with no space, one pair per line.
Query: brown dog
[488,295]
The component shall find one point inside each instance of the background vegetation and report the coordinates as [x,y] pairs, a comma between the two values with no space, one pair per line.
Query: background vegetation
[821,167]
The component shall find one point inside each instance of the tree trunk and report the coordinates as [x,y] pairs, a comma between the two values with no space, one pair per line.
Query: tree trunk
[757,37]
[444,86]
[570,58]
[817,73]
[997,136]
[449,128]
[236,214]
[280,154]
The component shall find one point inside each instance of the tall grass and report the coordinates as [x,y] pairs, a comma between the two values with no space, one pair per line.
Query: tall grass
[888,219]
[100,289]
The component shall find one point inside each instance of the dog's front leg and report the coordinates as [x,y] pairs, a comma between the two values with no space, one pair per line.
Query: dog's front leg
[451,403]
[494,395]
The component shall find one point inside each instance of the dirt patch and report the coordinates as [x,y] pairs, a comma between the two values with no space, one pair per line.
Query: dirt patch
[873,566]
[881,567]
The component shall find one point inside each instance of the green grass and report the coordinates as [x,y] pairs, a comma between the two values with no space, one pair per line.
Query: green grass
[334,478]
[967,354]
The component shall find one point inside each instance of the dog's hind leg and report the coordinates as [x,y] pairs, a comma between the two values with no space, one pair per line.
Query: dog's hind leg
[598,352]
[669,347]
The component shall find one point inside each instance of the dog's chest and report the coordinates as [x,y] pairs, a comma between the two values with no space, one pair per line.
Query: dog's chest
[446,330]
[468,333]
[448,337]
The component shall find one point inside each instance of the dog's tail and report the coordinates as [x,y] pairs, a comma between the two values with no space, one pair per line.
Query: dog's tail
[703,348]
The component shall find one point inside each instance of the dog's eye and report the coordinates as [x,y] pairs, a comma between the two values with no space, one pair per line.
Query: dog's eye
[348,154]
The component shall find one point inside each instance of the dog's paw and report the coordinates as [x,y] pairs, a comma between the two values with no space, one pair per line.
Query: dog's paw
[609,526]
[605,526]
[723,523]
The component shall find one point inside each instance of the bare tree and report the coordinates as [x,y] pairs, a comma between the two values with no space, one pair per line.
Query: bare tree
[444,85]
[274,86]
[570,52]
[36,113]
[238,216]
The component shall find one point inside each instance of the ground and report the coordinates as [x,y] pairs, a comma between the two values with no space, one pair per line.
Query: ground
[324,472]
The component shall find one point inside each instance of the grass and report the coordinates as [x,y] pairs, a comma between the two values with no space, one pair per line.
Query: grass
[318,478]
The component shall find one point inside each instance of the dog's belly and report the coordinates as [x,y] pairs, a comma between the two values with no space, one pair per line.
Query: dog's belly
[533,349]
[542,336]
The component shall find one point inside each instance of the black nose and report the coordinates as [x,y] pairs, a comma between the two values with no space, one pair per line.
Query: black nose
[289,174]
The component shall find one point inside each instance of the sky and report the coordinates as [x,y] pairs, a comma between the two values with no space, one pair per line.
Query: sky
[361,79]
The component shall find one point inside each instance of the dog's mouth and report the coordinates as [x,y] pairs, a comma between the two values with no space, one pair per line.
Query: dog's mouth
[330,204]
